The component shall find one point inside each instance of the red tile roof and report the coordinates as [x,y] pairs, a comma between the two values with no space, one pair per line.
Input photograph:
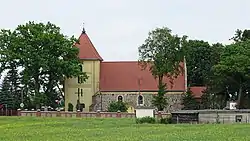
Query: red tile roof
[125,76]
[87,49]
[197,91]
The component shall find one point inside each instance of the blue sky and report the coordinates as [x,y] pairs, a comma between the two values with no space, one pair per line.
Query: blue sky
[118,27]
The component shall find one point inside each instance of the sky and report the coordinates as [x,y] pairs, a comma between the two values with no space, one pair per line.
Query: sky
[118,27]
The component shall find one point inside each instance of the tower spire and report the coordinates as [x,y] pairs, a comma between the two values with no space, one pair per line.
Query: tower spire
[83,29]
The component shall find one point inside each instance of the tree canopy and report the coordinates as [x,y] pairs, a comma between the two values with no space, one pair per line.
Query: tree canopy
[44,56]
[200,58]
[234,66]
[162,53]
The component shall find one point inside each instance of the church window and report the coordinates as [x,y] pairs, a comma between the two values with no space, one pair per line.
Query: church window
[80,66]
[78,92]
[81,92]
[80,80]
[120,98]
[140,100]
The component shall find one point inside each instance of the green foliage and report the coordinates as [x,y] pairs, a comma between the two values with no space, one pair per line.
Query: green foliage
[241,35]
[167,120]
[45,55]
[11,91]
[189,102]
[211,100]
[233,68]
[160,100]
[162,53]
[200,58]
[152,120]
[117,106]
[6,96]
[70,107]
[149,120]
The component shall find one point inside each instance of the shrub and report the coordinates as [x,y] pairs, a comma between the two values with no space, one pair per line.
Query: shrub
[117,106]
[167,120]
[189,102]
[142,120]
[70,107]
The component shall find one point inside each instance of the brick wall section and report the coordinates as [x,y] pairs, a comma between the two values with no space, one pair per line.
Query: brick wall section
[84,114]
[174,101]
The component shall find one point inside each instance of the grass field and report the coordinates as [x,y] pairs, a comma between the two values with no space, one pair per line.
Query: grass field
[73,129]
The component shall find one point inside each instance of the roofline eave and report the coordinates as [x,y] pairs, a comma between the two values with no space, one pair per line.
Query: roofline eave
[91,59]
[140,91]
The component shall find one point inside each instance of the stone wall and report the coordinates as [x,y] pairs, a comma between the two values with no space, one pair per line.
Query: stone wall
[101,102]
[79,114]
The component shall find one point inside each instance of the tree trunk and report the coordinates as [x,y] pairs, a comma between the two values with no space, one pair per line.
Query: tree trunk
[37,91]
[60,91]
[160,78]
[239,104]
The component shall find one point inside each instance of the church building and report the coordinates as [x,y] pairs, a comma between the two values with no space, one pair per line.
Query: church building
[116,80]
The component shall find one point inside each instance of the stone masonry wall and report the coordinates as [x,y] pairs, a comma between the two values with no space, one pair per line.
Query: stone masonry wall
[174,101]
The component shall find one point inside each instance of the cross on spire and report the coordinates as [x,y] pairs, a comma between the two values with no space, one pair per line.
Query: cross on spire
[83,29]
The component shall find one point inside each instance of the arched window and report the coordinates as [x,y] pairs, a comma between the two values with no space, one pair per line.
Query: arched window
[79,77]
[140,100]
[80,66]
[120,98]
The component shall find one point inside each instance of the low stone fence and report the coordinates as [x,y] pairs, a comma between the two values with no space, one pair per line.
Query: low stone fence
[84,114]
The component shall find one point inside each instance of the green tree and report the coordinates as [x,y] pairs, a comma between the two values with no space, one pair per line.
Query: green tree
[117,106]
[46,57]
[70,107]
[189,102]
[162,53]
[233,68]
[212,100]
[6,97]
[200,58]
[241,35]
[11,88]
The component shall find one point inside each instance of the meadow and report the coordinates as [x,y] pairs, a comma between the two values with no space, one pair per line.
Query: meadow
[96,129]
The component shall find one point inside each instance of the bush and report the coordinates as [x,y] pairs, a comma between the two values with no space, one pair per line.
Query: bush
[117,106]
[70,107]
[189,102]
[167,120]
[152,120]
[142,120]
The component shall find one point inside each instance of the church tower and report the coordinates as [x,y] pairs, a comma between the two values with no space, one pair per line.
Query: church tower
[80,94]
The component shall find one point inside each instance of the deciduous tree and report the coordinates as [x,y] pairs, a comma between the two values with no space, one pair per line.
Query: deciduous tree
[241,35]
[234,67]
[200,58]
[45,55]
[162,54]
